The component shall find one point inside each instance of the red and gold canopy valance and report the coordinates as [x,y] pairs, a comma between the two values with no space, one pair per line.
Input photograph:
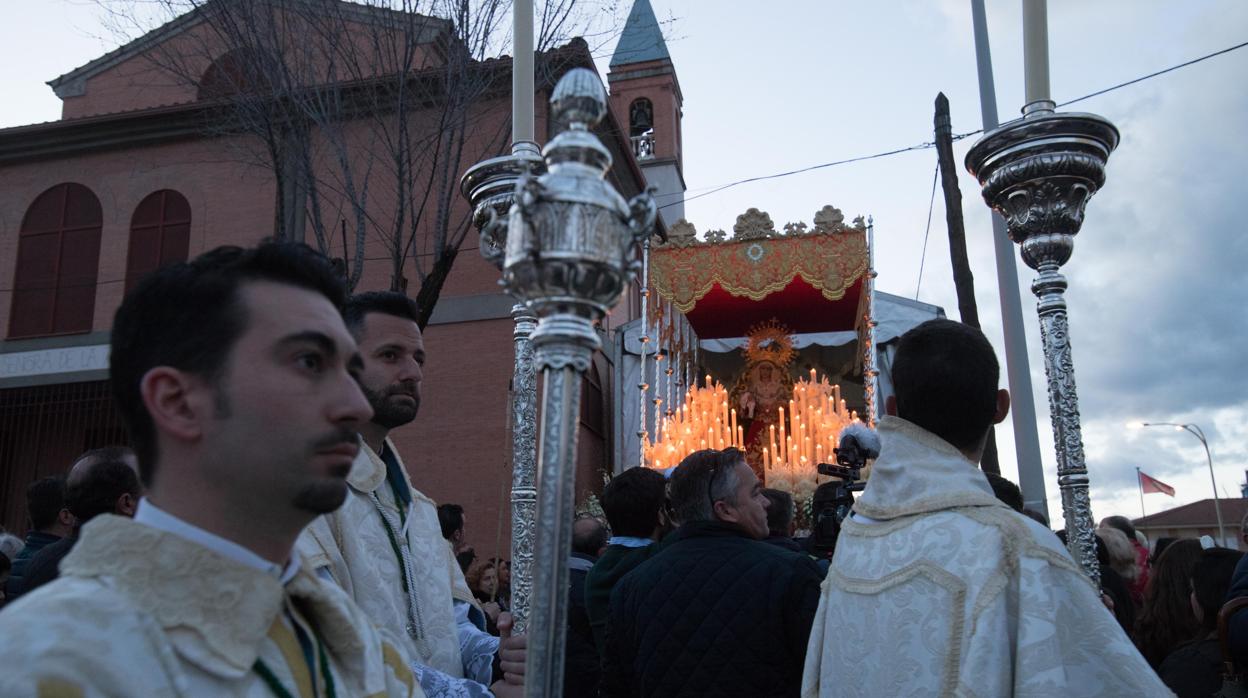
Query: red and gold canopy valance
[813,275]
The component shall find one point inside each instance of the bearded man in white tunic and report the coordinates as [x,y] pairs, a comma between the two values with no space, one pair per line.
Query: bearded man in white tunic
[234,373]
[384,546]
[936,587]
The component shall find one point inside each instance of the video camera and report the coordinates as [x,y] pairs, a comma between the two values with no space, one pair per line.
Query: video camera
[833,501]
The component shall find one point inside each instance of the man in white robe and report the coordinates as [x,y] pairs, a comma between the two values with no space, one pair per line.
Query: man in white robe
[234,373]
[936,587]
[384,546]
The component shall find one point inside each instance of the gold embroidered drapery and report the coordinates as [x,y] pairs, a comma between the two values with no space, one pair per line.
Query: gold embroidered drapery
[754,269]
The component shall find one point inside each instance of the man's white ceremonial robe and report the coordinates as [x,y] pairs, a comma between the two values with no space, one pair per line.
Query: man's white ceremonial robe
[938,588]
[140,611]
[352,546]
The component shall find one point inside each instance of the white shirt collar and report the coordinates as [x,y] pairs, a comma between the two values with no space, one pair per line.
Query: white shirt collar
[151,515]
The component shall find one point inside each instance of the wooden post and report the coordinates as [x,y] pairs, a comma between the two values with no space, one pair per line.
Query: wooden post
[963,279]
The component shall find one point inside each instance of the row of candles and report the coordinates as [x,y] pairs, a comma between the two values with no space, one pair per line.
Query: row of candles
[703,421]
[802,434]
[816,415]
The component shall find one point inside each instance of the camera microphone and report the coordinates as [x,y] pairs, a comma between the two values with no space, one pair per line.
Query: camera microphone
[861,441]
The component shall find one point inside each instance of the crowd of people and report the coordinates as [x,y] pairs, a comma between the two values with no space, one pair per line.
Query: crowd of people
[235,553]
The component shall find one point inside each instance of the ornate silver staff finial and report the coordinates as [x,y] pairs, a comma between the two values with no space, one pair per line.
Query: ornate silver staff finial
[1039,173]
[571,249]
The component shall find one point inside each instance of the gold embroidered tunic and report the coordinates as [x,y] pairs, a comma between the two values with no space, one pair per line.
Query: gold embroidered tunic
[139,611]
[355,548]
[937,588]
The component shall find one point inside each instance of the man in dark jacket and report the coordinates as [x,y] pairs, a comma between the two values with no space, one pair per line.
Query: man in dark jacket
[780,527]
[717,612]
[581,665]
[102,481]
[635,503]
[50,521]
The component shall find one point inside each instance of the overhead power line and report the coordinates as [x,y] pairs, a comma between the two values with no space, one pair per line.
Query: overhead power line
[930,206]
[956,137]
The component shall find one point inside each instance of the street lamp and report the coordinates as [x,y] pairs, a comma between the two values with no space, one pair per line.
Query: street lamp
[1195,430]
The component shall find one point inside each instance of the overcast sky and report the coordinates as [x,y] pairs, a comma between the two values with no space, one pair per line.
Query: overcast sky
[1158,298]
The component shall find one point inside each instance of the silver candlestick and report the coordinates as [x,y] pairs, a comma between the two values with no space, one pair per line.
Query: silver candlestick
[572,247]
[1038,173]
[490,186]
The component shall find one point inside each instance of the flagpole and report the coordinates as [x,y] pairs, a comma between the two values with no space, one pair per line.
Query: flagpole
[1139,483]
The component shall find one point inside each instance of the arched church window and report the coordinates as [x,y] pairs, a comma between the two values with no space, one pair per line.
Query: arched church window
[160,234]
[58,255]
[641,128]
[640,117]
[241,71]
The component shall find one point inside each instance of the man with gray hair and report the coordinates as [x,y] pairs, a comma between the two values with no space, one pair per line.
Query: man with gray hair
[717,611]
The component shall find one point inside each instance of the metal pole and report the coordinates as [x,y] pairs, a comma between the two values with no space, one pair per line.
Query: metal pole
[1035,54]
[522,78]
[1140,485]
[572,244]
[1195,430]
[643,385]
[870,371]
[1039,173]
[524,466]
[1217,501]
[490,187]
[1017,365]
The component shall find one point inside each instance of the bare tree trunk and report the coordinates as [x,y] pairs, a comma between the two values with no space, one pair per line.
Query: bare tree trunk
[963,279]
[431,287]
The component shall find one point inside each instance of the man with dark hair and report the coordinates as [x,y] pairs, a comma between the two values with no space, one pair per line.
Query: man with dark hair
[780,513]
[50,521]
[101,481]
[384,546]
[635,504]
[234,372]
[452,520]
[717,612]
[1006,491]
[935,574]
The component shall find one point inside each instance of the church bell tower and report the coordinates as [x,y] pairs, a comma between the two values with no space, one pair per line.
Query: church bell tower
[645,99]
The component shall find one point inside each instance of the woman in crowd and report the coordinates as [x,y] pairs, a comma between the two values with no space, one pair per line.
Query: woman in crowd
[482,580]
[1121,557]
[1194,669]
[1140,582]
[1166,619]
[1113,585]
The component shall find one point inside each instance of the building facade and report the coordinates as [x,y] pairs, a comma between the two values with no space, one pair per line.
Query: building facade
[143,170]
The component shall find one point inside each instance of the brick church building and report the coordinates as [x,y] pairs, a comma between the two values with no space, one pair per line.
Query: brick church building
[141,171]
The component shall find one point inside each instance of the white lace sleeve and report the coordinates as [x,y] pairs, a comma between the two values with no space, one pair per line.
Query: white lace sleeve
[435,684]
[475,646]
